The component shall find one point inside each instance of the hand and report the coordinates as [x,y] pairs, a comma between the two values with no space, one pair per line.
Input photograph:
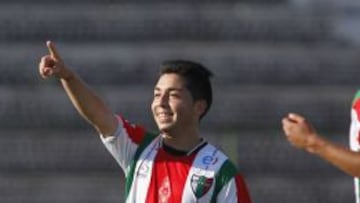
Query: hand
[52,64]
[300,133]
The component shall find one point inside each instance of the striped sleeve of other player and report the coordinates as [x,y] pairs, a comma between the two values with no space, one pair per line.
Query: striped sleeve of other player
[124,142]
[355,123]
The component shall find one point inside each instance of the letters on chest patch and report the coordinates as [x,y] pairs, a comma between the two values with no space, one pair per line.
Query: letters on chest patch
[164,190]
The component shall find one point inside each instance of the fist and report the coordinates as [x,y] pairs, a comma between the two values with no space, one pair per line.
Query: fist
[297,130]
[52,65]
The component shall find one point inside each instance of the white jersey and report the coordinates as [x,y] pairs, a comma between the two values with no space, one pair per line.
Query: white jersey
[153,175]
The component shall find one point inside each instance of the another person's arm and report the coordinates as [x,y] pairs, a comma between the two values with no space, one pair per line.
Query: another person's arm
[87,103]
[302,135]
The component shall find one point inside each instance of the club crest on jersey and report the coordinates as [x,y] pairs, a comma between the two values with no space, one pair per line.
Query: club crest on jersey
[200,185]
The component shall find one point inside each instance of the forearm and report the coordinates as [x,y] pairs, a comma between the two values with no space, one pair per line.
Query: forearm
[340,156]
[90,106]
[86,102]
[301,134]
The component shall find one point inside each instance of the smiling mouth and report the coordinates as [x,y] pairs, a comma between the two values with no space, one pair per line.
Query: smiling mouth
[164,116]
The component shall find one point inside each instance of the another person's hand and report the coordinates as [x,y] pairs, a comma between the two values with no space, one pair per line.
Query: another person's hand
[300,133]
[52,65]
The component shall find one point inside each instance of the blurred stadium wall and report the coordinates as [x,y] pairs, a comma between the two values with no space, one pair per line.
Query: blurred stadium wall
[269,57]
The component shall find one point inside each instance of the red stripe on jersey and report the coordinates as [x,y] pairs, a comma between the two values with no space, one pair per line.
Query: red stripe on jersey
[168,177]
[242,191]
[135,132]
[356,107]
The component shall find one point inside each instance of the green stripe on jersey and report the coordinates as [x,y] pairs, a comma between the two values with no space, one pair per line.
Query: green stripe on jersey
[356,97]
[130,178]
[223,176]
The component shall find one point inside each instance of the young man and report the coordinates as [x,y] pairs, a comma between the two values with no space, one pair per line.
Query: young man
[176,165]
[302,135]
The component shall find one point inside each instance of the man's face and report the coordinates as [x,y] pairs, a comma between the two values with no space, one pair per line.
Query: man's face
[173,106]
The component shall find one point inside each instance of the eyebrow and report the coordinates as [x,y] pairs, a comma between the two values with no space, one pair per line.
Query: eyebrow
[169,89]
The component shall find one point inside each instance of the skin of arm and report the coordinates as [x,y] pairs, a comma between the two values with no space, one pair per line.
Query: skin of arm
[90,106]
[302,135]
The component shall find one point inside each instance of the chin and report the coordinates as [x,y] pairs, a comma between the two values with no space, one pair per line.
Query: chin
[164,128]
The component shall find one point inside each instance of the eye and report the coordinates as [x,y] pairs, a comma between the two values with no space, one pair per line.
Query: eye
[175,95]
[156,94]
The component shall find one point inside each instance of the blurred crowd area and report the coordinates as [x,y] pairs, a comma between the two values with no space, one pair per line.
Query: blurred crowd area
[269,57]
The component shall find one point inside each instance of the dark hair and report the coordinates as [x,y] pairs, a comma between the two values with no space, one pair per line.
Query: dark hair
[197,79]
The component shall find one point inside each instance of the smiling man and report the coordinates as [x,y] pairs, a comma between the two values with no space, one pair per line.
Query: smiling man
[176,164]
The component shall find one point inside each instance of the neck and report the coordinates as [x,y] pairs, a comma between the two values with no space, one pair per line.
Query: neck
[184,141]
[176,152]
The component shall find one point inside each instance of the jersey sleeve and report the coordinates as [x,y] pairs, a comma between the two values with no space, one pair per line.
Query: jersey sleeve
[355,123]
[123,143]
[230,185]
[235,191]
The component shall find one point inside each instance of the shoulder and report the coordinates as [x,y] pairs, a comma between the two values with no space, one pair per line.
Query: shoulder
[137,133]
[227,169]
[216,152]
[214,157]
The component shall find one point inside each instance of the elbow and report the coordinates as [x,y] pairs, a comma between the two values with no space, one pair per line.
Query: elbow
[353,170]
[356,173]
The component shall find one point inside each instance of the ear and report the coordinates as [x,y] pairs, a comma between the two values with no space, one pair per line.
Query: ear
[200,107]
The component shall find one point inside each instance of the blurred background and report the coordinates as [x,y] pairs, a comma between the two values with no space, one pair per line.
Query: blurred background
[269,57]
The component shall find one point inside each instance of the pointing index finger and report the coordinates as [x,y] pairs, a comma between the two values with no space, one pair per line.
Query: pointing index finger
[296,117]
[52,50]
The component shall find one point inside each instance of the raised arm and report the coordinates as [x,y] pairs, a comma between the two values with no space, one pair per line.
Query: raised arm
[90,106]
[302,135]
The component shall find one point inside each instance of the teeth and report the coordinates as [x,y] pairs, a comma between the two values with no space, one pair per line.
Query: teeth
[164,114]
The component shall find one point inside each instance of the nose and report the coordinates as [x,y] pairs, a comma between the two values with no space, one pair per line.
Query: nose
[163,100]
